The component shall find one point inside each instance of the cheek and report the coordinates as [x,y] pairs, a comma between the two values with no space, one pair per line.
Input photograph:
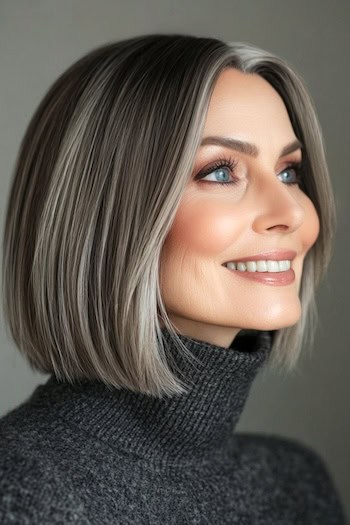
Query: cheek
[311,226]
[202,228]
[308,235]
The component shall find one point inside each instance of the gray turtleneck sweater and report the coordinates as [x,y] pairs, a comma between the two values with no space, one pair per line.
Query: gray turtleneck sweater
[85,454]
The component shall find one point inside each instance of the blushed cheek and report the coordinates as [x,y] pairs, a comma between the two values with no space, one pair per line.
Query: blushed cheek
[309,234]
[311,227]
[200,229]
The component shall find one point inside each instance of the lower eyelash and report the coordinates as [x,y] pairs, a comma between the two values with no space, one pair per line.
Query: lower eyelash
[224,183]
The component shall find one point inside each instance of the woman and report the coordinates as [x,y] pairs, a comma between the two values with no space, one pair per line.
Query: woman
[169,219]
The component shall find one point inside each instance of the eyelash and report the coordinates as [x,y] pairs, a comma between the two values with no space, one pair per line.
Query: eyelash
[232,164]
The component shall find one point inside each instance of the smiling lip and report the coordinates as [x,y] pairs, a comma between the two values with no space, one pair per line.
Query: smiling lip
[271,278]
[277,255]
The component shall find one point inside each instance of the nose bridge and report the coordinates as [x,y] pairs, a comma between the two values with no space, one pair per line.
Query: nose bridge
[278,206]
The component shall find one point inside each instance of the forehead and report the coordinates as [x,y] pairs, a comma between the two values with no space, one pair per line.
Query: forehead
[246,105]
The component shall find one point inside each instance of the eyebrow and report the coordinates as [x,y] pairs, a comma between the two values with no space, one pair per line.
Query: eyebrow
[246,147]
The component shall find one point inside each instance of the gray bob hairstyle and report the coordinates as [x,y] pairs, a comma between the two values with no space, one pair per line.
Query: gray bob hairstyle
[99,176]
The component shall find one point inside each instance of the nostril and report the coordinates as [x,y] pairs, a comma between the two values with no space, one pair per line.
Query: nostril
[278,227]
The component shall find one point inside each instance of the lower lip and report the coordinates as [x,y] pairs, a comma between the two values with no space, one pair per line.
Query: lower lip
[272,278]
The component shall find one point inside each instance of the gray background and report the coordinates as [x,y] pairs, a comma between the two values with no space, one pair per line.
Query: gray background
[41,38]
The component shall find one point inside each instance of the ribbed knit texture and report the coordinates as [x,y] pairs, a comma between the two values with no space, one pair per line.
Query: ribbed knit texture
[87,454]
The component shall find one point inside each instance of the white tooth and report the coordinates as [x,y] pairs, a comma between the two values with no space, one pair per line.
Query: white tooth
[272,266]
[261,266]
[251,266]
[284,265]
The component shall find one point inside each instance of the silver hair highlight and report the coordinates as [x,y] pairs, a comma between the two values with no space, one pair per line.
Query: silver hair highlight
[98,179]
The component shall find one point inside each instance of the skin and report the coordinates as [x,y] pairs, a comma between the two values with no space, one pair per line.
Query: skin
[215,224]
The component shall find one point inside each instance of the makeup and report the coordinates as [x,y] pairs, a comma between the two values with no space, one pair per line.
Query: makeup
[245,205]
[271,278]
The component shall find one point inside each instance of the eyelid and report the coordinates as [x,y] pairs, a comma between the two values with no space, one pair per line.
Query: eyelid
[227,153]
[228,160]
[290,164]
[292,158]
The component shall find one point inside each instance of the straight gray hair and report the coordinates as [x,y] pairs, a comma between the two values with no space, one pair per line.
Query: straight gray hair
[99,176]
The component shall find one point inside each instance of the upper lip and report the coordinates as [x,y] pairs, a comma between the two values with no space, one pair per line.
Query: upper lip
[274,255]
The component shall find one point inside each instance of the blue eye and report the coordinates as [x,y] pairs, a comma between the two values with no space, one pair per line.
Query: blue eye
[224,170]
[291,174]
[222,174]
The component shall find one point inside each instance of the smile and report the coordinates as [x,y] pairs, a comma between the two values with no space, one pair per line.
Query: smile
[270,266]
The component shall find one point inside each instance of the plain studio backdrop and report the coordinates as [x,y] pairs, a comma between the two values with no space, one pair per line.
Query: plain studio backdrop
[41,38]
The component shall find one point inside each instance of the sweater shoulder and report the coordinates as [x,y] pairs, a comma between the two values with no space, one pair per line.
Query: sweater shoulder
[284,456]
[22,430]
[28,490]
[292,469]
[277,447]
[31,479]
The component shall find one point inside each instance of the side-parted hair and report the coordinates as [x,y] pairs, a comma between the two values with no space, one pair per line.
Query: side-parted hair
[100,173]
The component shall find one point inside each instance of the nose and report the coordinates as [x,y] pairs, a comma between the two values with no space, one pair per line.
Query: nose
[278,207]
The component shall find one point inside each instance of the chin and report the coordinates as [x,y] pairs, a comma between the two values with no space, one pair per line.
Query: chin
[273,325]
[274,318]
[276,324]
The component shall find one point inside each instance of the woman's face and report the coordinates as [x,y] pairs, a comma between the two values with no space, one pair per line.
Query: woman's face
[260,210]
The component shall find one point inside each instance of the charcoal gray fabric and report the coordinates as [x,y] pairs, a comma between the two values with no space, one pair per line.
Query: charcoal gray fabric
[88,454]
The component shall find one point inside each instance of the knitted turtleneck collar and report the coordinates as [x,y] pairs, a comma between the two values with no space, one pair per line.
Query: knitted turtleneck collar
[195,425]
